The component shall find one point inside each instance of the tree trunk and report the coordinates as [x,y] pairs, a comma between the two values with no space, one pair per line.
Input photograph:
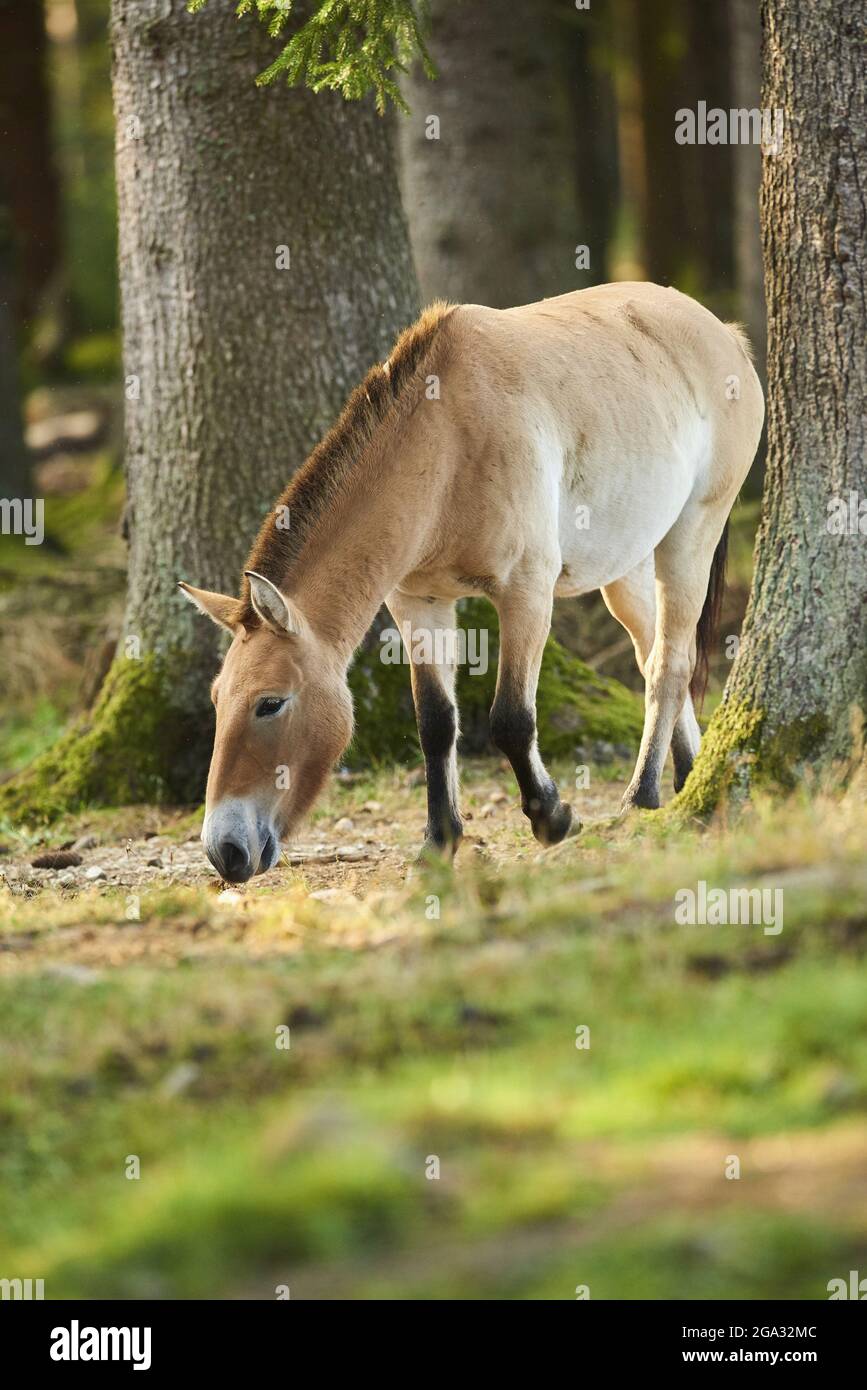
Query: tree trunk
[659,30]
[234,367]
[708,175]
[746,33]
[491,194]
[27,167]
[594,122]
[14,463]
[797,692]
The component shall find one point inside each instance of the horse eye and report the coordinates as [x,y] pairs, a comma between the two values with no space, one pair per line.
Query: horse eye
[272,704]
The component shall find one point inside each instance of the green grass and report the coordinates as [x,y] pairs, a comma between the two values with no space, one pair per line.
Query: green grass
[453,1038]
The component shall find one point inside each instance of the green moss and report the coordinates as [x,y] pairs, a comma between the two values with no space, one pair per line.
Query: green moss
[741,752]
[135,745]
[575,706]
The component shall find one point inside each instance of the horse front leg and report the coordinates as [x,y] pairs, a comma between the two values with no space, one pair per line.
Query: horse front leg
[525,619]
[428,628]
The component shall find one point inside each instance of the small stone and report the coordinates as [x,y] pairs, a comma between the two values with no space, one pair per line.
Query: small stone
[66,879]
[94,873]
[229,898]
[333,895]
[77,974]
[85,842]
[497,797]
[372,807]
[179,1079]
[488,810]
[344,825]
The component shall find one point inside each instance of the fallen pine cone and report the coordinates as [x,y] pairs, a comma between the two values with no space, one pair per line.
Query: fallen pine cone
[60,859]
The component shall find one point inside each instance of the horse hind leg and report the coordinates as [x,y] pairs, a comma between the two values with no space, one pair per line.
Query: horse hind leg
[632,601]
[682,562]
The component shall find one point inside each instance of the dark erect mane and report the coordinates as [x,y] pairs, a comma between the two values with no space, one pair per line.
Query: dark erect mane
[385,390]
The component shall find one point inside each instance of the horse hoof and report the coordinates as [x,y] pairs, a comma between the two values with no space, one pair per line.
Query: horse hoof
[556,827]
[640,799]
[432,852]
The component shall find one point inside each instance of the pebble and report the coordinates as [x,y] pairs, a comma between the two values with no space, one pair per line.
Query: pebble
[85,842]
[372,807]
[229,898]
[78,974]
[179,1079]
[344,825]
[332,895]
[94,873]
[351,853]
[65,880]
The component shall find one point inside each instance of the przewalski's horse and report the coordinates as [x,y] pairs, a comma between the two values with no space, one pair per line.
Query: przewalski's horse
[593,441]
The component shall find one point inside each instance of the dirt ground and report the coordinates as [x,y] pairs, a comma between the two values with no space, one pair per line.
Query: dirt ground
[363,842]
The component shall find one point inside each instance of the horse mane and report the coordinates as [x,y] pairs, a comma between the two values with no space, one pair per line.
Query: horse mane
[390,390]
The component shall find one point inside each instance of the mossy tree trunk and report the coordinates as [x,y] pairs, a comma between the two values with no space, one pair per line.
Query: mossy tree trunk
[491,192]
[264,266]
[799,684]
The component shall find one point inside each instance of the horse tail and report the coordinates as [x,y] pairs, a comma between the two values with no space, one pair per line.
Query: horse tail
[708,622]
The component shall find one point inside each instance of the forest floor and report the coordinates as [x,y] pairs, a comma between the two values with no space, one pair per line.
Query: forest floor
[358,1078]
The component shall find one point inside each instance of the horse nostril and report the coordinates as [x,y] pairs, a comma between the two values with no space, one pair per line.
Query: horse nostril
[233,861]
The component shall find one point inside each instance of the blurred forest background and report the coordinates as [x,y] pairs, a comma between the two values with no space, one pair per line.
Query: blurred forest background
[556,134]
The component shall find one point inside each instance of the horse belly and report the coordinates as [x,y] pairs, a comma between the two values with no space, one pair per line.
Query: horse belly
[612,517]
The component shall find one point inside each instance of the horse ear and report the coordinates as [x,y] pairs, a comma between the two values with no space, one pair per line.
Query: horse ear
[218,607]
[274,608]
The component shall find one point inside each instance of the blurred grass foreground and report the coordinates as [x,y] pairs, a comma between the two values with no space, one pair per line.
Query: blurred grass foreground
[512,1084]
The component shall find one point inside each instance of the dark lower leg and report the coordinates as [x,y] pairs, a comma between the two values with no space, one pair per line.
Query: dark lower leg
[438,730]
[513,730]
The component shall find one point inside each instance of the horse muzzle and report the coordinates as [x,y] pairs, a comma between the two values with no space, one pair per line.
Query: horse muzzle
[239,841]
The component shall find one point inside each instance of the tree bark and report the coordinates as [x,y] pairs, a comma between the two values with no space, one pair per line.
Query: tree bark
[708,181]
[14,462]
[797,692]
[659,27]
[27,168]
[594,122]
[746,34]
[234,368]
[492,201]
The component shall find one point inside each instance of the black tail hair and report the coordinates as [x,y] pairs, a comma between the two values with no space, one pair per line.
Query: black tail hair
[705,631]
